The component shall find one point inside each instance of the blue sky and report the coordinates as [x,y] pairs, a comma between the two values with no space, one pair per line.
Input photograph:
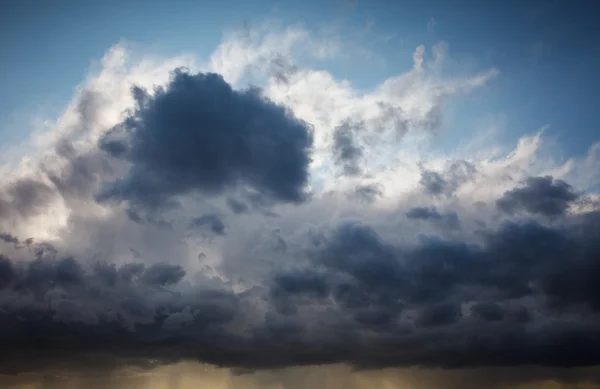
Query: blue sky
[546,50]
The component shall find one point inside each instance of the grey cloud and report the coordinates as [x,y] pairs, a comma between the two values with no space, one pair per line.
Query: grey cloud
[367,193]
[488,311]
[209,222]
[449,220]
[237,206]
[88,106]
[358,270]
[162,274]
[354,297]
[358,299]
[74,177]
[198,134]
[540,195]
[82,172]
[281,68]
[24,197]
[433,182]
[346,152]
[423,213]
[449,180]
[301,284]
[9,238]
[439,315]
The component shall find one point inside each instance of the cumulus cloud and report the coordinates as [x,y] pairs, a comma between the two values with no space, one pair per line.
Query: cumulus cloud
[180,215]
[199,134]
[540,195]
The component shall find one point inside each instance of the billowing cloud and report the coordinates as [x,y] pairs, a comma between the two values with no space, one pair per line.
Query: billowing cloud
[196,218]
[540,195]
[199,134]
[360,300]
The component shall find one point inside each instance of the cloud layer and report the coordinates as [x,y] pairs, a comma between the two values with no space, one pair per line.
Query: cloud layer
[175,213]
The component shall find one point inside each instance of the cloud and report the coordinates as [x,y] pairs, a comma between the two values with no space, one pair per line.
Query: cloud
[540,195]
[24,197]
[446,183]
[198,134]
[431,213]
[519,279]
[211,222]
[9,238]
[367,193]
[310,266]
[346,152]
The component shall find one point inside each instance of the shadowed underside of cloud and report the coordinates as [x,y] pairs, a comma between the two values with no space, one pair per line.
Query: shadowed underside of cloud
[431,214]
[347,152]
[540,195]
[198,134]
[448,181]
[527,295]
[24,197]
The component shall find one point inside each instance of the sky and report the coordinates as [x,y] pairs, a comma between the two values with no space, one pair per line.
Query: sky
[285,194]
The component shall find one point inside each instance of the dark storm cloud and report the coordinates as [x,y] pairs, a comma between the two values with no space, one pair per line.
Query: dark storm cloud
[540,195]
[439,315]
[488,311]
[162,274]
[358,273]
[526,294]
[391,118]
[68,311]
[346,152]
[448,181]
[198,134]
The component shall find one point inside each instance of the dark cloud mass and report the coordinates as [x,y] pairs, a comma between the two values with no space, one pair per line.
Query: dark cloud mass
[523,292]
[526,295]
[540,195]
[198,134]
